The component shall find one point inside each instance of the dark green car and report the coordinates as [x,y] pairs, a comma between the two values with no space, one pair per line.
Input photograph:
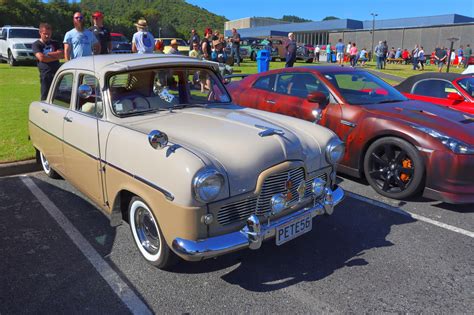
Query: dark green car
[253,45]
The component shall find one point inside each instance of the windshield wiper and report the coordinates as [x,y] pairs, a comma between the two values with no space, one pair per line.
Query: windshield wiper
[390,101]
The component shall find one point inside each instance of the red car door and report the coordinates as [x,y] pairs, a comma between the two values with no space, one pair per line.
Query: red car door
[256,93]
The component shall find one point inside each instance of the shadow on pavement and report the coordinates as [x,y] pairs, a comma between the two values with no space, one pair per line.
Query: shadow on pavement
[335,242]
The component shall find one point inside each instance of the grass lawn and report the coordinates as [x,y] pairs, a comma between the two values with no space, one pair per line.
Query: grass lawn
[19,86]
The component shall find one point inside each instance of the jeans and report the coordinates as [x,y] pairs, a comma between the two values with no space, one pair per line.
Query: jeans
[290,60]
[235,54]
[45,79]
[328,57]
[379,62]
[415,63]
[354,59]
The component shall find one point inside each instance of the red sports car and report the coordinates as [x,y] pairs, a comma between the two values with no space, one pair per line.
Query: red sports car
[401,146]
[448,89]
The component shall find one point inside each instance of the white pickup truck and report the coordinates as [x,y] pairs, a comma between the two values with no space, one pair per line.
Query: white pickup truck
[16,42]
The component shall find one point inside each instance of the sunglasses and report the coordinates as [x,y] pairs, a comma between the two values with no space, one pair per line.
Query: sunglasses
[79,18]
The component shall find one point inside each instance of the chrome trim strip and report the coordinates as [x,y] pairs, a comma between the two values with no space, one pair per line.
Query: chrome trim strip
[425,150]
[348,123]
[251,235]
[167,194]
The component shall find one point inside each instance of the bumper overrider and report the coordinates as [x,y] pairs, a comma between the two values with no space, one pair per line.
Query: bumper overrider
[254,232]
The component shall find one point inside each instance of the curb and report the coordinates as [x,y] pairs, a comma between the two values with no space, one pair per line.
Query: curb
[17,168]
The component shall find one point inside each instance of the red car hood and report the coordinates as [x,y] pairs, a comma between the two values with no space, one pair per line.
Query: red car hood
[450,122]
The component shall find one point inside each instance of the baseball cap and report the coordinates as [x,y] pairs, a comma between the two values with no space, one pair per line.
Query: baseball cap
[97,14]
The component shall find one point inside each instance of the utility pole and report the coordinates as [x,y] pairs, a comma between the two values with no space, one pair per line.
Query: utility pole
[373,33]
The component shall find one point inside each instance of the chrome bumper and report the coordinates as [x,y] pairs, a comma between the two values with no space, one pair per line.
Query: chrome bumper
[253,233]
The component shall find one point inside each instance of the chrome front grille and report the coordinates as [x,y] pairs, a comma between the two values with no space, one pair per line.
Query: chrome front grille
[261,205]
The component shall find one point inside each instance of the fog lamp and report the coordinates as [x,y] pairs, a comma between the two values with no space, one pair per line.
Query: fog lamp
[317,187]
[278,203]
[207,218]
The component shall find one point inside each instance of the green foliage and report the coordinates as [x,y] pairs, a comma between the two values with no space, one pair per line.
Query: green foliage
[293,19]
[176,18]
[327,18]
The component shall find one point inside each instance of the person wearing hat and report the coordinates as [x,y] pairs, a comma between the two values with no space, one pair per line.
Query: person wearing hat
[101,33]
[174,47]
[143,42]
[79,42]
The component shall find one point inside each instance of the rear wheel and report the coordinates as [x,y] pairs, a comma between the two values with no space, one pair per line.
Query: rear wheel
[47,168]
[394,168]
[253,56]
[147,235]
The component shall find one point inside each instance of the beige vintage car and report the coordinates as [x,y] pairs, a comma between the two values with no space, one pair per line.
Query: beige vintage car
[155,141]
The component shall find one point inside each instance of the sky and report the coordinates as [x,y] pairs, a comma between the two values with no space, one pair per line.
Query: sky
[316,10]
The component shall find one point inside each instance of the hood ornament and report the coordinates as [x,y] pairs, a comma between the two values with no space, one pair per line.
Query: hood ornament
[269,131]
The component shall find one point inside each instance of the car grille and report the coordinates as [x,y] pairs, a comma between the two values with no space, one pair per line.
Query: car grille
[261,205]
[29,46]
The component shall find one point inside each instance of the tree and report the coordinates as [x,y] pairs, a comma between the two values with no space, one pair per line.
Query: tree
[327,18]
[293,19]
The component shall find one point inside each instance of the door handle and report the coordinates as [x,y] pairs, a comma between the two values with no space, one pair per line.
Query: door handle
[44,110]
[270,102]
[68,119]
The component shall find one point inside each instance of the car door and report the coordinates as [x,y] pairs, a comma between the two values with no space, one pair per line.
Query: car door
[434,91]
[256,95]
[3,43]
[48,116]
[290,95]
[82,156]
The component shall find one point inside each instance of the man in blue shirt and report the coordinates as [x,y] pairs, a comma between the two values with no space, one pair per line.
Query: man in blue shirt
[340,52]
[80,42]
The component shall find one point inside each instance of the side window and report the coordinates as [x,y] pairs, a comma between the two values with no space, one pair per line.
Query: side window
[4,33]
[434,88]
[300,85]
[93,104]
[265,83]
[63,91]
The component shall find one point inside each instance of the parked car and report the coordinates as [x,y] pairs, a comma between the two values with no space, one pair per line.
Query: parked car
[228,51]
[120,44]
[305,52]
[253,45]
[448,89]
[16,43]
[183,46]
[400,146]
[156,141]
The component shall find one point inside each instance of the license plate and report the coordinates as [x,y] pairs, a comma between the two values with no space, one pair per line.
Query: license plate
[293,229]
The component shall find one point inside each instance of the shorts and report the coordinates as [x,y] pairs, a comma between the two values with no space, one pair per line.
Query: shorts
[340,56]
[440,64]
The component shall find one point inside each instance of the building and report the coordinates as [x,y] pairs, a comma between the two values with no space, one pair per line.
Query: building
[427,31]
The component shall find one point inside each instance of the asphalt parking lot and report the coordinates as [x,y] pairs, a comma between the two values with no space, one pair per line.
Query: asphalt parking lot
[60,255]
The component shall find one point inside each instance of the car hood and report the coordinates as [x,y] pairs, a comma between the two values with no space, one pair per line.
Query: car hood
[450,122]
[22,40]
[230,140]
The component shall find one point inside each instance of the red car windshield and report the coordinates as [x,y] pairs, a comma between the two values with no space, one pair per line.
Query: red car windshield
[467,85]
[361,87]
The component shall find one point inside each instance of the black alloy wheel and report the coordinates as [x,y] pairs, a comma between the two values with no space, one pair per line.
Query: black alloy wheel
[394,168]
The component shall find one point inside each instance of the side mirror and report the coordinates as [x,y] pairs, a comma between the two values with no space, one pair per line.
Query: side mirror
[455,97]
[84,91]
[317,97]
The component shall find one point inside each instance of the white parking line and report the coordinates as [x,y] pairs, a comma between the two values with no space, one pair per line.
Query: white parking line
[121,289]
[411,215]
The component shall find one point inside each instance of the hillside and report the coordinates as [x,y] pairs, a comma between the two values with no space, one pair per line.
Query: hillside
[176,18]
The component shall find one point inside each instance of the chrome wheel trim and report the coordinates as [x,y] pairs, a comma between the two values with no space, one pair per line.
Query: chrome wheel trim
[145,231]
[45,163]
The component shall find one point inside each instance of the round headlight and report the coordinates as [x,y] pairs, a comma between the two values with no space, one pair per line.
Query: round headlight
[278,203]
[335,151]
[317,187]
[207,185]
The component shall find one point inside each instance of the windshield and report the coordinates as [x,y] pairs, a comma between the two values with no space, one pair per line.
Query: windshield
[167,42]
[23,33]
[467,85]
[160,89]
[360,87]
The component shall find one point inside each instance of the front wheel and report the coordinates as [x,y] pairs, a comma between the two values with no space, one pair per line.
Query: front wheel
[11,60]
[147,235]
[47,168]
[394,168]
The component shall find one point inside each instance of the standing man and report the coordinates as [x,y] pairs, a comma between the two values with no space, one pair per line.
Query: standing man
[194,39]
[101,33]
[467,55]
[441,56]
[48,52]
[340,52]
[378,52]
[290,48]
[79,42]
[235,50]
[317,51]
[143,41]
[206,44]
[174,47]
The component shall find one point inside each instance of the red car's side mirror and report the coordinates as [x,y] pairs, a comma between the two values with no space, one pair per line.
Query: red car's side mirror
[455,97]
[317,97]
